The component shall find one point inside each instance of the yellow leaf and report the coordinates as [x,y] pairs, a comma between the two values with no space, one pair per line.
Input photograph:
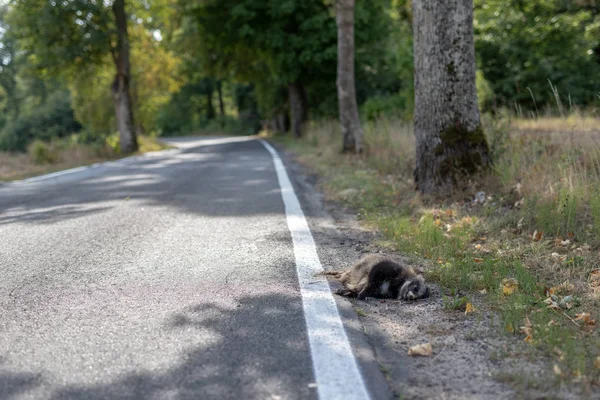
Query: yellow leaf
[421,350]
[510,328]
[527,330]
[557,370]
[438,222]
[585,318]
[469,308]
[478,260]
[564,288]
[509,286]
[597,362]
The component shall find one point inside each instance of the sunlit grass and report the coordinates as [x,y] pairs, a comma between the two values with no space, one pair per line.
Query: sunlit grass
[43,158]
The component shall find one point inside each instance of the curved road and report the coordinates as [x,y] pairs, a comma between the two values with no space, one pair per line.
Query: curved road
[166,276]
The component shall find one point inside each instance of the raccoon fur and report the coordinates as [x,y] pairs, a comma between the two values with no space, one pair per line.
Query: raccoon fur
[380,277]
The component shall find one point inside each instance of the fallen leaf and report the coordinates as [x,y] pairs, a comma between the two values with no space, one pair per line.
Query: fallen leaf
[571,235]
[421,350]
[510,328]
[557,257]
[563,288]
[585,318]
[527,330]
[595,277]
[597,362]
[552,323]
[483,291]
[559,353]
[509,286]
[449,213]
[537,236]
[565,242]
[557,370]
[478,260]
[469,308]
[438,222]
[552,303]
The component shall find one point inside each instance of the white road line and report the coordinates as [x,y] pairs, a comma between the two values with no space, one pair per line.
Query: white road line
[335,367]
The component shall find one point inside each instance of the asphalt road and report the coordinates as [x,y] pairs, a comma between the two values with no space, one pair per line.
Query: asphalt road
[170,276]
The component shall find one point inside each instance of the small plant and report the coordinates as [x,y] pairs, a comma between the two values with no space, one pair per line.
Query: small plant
[42,153]
[455,302]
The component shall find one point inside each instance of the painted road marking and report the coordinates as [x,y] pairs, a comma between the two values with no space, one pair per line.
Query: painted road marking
[335,368]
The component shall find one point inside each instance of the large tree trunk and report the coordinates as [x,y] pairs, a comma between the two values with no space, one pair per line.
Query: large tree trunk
[220,93]
[298,106]
[348,109]
[120,86]
[450,142]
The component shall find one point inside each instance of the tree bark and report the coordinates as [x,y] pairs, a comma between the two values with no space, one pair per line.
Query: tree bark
[349,121]
[451,145]
[210,109]
[120,86]
[220,93]
[298,106]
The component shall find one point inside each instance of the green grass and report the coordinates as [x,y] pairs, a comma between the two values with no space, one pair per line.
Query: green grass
[538,228]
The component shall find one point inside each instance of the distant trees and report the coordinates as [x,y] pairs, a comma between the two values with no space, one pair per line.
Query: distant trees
[348,108]
[450,142]
[64,37]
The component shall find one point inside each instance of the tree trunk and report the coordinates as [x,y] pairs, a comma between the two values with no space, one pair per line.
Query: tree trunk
[298,106]
[450,142]
[210,108]
[348,109]
[120,86]
[220,92]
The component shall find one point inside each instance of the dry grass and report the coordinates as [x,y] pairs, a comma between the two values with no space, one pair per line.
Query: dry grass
[43,158]
[539,224]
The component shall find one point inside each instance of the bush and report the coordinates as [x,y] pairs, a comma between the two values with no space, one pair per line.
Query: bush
[42,153]
[54,119]
[393,106]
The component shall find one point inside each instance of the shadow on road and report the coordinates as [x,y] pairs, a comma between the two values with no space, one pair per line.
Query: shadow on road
[260,351]
[221,180]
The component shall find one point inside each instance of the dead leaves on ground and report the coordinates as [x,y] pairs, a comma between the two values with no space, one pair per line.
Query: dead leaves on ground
[527,329]
[469,308]
[424,350]
[585,318]
[555,302]
[594,281]
[509,286]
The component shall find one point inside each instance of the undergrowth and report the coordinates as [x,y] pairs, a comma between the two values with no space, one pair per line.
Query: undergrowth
[59,154]
[526,240]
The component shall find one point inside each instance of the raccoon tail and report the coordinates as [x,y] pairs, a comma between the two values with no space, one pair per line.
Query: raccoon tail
[335,274]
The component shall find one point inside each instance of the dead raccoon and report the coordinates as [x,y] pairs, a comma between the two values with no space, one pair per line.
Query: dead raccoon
[380,277]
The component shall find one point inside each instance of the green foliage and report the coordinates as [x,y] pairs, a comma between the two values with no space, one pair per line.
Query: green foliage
[522,46]
[53,119]
[41,152]
[290,41]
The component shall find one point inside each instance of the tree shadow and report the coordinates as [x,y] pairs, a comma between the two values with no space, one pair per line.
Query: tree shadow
[12,383]
[256,348]
[234,179]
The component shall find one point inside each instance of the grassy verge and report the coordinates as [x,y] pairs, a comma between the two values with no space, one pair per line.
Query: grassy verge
[526,240]
[42,158]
